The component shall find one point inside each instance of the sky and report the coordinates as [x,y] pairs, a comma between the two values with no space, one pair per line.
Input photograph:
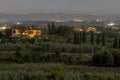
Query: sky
[96,7]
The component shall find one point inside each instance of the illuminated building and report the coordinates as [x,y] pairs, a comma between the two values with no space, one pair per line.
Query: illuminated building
[17,33]
[88,29]
[91,29]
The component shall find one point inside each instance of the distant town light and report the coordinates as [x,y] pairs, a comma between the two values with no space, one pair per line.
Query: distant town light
[111,24]
[3,28]
[18,23]
[78,20]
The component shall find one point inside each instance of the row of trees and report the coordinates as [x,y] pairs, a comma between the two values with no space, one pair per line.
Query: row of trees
[51,29]
[81,37]
[61,31]
[21,57]
[101,57]
[67,33]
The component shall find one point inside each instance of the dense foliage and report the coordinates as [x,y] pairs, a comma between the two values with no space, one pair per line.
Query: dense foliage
[106,58]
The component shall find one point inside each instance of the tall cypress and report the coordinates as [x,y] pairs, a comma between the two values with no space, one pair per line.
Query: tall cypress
[84,36]
[75,38]
[49,29]
[116,42]
[80,37]
[53,28]
[103,39]
[92,38]
[98,39]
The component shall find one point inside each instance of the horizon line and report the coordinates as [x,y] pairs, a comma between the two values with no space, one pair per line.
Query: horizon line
[58,13]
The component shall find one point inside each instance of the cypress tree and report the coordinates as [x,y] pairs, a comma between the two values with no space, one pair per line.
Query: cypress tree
[103,39]
[98,39]
[49,29]
[116,42]
[80,38]
[53,28]
[75,37]
[84,36]
[92,38]
[1,35]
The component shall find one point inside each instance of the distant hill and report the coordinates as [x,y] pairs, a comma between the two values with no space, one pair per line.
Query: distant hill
[55,17]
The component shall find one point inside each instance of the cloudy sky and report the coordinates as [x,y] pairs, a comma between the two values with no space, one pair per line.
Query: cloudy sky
[102,7]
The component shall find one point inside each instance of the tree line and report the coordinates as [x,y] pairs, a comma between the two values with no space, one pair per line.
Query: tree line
[81,37]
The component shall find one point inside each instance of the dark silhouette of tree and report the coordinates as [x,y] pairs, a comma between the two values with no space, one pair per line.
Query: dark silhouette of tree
[53,28]
[116,42]
[80,37]
[92,38]
[75,38]
[108,58]
[49,29]
[84,36]
[1,35]
[103,39]
[103,58]
[65,32]
[98,39]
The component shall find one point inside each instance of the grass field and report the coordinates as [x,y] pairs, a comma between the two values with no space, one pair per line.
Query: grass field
[55,71]
[55,67]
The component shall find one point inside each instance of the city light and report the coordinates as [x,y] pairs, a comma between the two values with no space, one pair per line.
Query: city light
[18,23]
[3,28]
[111,24]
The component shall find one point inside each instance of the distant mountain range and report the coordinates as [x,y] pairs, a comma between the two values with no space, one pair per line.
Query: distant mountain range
[55,17]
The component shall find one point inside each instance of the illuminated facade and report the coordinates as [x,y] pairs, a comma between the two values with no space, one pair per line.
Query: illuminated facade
[88,29]
[91,29]
[32,33]
[29,33]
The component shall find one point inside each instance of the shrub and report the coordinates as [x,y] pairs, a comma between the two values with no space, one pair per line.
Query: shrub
[108,58]
[103,58]
[116,55]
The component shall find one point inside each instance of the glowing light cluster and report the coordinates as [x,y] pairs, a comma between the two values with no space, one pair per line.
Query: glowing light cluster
[111,24]
[18,23]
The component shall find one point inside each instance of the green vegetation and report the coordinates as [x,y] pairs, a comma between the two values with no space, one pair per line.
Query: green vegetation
[61,54]
[51,71]
[84,36]
[104,58]
[98,39]
[103,39]
[65,76]
[116,43]
[92,38]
